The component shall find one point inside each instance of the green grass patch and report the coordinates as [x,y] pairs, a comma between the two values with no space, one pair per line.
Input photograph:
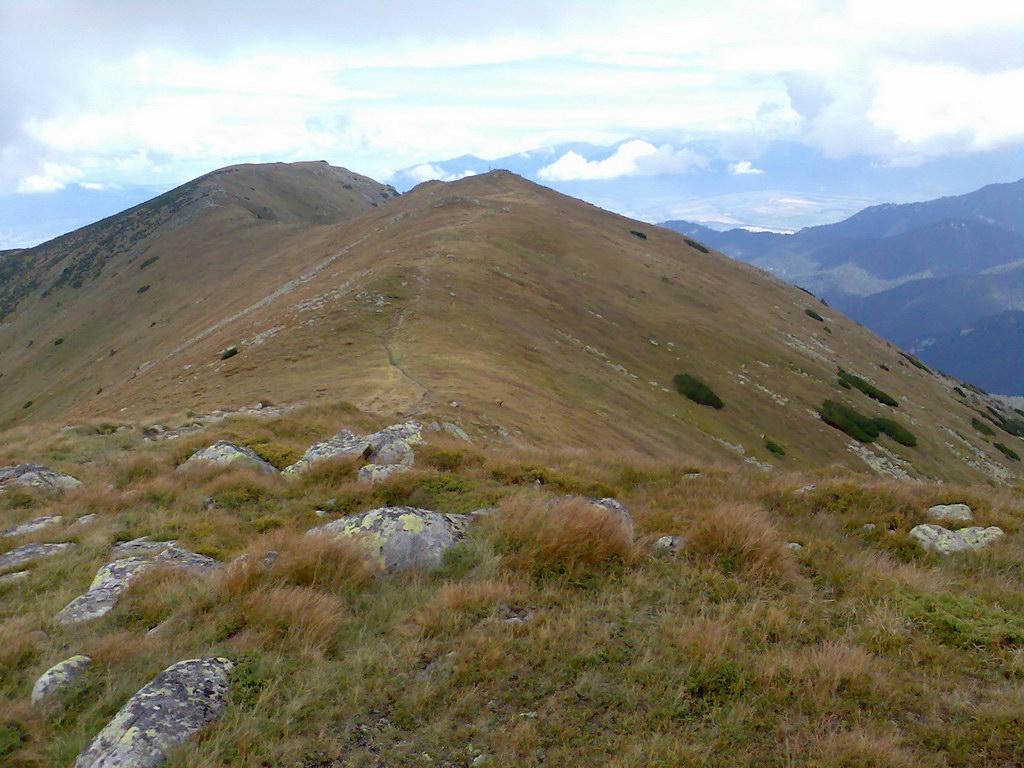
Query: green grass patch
[697,390]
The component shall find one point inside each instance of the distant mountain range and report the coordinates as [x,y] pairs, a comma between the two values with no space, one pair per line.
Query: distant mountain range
[910,272]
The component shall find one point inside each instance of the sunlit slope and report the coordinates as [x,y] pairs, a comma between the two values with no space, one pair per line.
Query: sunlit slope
[514,310]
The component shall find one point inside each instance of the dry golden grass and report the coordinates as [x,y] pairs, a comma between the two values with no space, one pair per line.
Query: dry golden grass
[741,538]
[456,601]
[536,534]
[305,616]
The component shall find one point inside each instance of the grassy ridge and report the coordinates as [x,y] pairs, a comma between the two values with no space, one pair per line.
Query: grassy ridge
[542,640]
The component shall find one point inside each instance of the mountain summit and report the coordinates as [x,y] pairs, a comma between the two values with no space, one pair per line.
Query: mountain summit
[490,302]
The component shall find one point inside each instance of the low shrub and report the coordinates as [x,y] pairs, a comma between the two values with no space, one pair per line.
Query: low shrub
[960,392]
[846,419]
[698,246]
[775,448]
[228,353]
[1007,452]
[982,427]
[896,431]
[815,315]
[915,362]
[848,380]
[143,289]
[697,390]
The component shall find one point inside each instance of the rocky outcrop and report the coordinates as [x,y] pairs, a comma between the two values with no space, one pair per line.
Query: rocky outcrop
[36,477]
[176,705]
[228,454]
[26,554]
[140,546]
[32,526]
[114,578]
[12,578]
[55,681]
[400,538]
[393,445]
[935,538]
[378,473]
[960,513]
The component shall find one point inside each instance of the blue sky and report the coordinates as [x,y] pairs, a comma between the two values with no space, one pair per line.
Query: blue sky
[103,93]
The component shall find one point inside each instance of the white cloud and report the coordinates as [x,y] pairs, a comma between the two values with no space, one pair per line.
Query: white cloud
[632,158]
[430,172]
[744,168]
[53,178]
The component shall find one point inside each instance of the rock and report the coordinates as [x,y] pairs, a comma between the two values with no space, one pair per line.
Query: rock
[455,430]
[114,578]
[81,522]
[345,443]
[805,489]
[955,512]
[58,678]
[30,552]
[941,540]
[224,453]
[140,546]
[176,705]
[31,526]
[795,546]
[11,578]
[400,538]
[392,445]
[36,477]
[668,545]
[868,527]
[376,473]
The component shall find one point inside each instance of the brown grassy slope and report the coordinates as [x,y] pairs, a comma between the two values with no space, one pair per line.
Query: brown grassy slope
[496,289]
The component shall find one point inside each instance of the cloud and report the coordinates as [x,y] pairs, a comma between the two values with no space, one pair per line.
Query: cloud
[744,168]
[632,158]
[430,172]
[53,177]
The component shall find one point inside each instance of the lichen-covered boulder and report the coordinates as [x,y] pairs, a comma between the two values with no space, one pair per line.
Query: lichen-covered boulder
[58,678]
[229,454]
[392,445]
[938,539]
[176,705]
[400,538]
[36,477]
[32,526]
[29,552]
[668,546]
[345,443]
[141,546]
[114,578]
[11,578]
[377,473]
[954,512]
[83,521]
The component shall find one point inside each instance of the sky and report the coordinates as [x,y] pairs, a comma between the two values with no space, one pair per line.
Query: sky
[102,93]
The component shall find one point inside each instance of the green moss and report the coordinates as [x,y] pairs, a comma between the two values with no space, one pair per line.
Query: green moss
[697,390]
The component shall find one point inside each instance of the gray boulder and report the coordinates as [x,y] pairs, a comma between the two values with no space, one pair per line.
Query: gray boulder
[114,578]
[669,546]
[345,443]
[32,526]
[11,578]
[224,453]
[26,554]
[58,678]
[36,477]
[938,539]
[140,546]
[392,445]
[954,512]
[176,705]
[377,473]
[81,522]
[400,538]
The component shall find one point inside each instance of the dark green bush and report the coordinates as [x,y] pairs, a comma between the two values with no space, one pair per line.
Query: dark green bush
[695,244]
[896,431]
[915,362]
[982,427]
[846,419]
[960,392]
[1007,452]
[847,380]
[149,261]
[775,448]
[143,289]
[815,315]
[697,390]
[229,353]
[58,342]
